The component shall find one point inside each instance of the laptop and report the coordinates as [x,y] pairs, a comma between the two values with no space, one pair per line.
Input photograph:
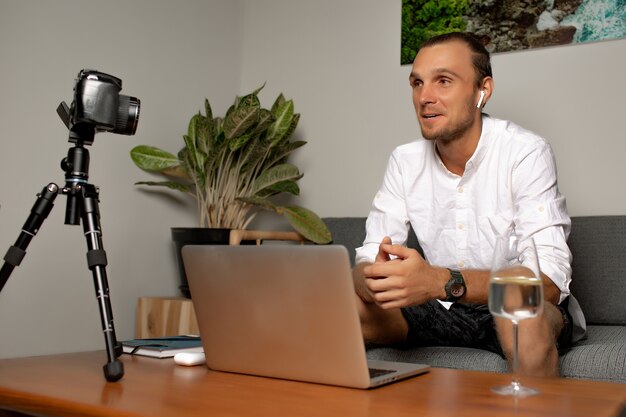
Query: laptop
[283,311]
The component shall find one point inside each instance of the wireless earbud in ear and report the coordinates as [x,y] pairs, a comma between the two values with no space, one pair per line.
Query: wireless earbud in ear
[480,100]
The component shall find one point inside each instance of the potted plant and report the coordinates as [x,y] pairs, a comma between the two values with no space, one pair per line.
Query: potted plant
[234,166]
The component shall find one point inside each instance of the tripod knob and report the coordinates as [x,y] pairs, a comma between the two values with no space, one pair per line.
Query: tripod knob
[65,166]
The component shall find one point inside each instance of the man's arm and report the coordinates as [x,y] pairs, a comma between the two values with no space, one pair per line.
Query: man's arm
[409,280]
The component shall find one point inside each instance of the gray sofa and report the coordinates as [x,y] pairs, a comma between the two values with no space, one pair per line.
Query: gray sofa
[598,245]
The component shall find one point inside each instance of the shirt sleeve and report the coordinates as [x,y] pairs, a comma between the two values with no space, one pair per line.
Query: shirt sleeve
[388,215]
[540,213]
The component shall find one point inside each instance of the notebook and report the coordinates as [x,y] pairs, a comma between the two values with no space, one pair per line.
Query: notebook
[283,311]
[162,347]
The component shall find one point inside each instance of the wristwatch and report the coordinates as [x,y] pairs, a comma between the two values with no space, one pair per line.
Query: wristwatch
[455,287]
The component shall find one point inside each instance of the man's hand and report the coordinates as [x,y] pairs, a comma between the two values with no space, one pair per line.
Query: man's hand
[404,280]
[360,287]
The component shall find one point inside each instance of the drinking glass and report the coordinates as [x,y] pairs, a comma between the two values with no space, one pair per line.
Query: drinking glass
[515,293]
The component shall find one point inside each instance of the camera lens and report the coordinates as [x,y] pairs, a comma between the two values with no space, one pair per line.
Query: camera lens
[127,115]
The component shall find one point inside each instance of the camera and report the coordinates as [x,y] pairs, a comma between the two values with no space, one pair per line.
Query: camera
[98,106]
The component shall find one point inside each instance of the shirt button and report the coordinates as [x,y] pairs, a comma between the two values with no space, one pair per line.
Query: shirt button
[460,190]
[461,264]
[541,209]
[461,226]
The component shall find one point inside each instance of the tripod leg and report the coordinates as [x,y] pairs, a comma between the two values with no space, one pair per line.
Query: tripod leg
[39,212]
[96,259]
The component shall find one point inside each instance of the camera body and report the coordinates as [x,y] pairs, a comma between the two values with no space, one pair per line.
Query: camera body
[98,105]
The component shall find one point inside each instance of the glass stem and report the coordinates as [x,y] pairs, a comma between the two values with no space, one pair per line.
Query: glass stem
[515,360]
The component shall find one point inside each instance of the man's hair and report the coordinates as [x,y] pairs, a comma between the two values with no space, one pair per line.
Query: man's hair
[480,59]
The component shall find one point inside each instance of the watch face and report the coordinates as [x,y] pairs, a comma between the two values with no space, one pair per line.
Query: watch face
[457,290]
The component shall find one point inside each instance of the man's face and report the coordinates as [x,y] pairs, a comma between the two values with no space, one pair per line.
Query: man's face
[444,91]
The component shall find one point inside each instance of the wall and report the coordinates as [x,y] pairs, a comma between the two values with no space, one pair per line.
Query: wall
[171,55]
[339,60]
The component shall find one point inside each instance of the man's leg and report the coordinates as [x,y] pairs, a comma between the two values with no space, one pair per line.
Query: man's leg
[381,326]
[537,348]
[430,324]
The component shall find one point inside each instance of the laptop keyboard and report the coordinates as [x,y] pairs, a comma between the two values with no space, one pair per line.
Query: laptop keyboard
[379,372]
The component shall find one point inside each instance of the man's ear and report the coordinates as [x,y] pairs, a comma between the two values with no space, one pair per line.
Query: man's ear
[485,92]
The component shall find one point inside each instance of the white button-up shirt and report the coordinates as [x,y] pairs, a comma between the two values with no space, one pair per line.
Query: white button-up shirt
[510,179]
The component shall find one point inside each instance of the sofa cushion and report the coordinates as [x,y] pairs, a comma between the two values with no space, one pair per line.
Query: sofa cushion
[600,356]
[598,245]
[442,357]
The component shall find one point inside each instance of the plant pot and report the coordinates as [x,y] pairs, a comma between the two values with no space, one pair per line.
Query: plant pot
[195,236]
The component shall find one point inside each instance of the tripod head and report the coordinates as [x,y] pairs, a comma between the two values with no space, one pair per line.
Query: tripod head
[76,167]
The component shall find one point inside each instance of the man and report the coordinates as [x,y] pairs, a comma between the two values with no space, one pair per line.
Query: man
[469,179]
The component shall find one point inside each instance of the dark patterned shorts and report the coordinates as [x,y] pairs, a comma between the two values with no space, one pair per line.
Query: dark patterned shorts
[464,325]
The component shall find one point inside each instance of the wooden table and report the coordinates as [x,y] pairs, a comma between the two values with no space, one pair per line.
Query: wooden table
[73,385]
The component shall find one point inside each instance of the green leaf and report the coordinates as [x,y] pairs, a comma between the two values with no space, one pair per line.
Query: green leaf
[258,90]
[275,175]
[290,187]
[307,223]
[207,109]
[188,163]
[169,184]
[284,116]
[280,100]
[218,122]
[196,158]
[201,131]
[193,126]
[211,165]
[266,118]
[239,121]
[151,158]
[253,154]
[177,171]
[280,152]
[292,126]
[182,154]
[251,100]
[236,143]
[231,108]
[260,202]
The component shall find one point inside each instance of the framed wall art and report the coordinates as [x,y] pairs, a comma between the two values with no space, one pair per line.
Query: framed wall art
[507,25]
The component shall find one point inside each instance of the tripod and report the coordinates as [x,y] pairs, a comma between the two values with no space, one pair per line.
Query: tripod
[82,204]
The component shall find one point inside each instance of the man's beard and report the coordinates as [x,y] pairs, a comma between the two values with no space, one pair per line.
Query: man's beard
[451,133]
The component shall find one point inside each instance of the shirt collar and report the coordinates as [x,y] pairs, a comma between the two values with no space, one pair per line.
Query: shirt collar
[481,149]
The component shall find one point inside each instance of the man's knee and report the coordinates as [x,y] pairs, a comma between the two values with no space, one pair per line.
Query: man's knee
[381,326]
[537,347]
